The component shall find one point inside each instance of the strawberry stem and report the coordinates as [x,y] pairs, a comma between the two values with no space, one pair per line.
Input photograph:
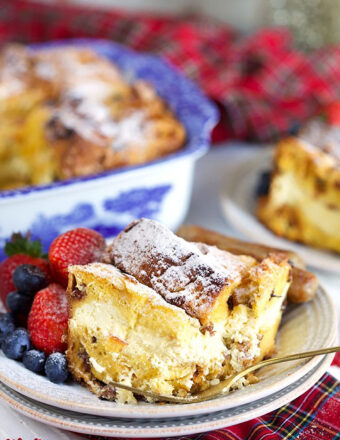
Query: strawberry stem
[20,244]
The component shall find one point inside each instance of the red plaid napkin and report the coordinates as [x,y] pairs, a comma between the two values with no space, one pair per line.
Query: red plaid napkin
[264,86]
[313,416]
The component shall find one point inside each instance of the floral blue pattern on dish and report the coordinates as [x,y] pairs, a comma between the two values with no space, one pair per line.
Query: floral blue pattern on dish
[140,202]
[119,211]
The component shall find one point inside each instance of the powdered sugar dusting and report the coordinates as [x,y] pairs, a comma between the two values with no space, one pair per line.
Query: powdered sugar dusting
[223,260]
[13,73]
[322,136]
[92,119]
[119,279]
[87,85]
[84,84]
[185,274]
[45,70]
[75,68]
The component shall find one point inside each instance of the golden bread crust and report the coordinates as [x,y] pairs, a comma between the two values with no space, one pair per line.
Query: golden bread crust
[304,283]
[124,329]
[235,246]
[303,203]
[69,112]
[181,272]
[141,337]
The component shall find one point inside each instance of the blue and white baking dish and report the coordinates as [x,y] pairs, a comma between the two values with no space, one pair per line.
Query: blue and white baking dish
[108,202]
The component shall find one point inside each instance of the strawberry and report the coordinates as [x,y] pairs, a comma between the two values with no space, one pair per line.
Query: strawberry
[47,320]
[20,250]
[78,246]
[332,112]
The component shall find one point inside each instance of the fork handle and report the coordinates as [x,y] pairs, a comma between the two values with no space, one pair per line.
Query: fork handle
[277,360]
[224,386]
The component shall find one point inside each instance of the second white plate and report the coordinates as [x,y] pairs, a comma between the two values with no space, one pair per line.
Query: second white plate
[160,428]
[238,204]
[304,327]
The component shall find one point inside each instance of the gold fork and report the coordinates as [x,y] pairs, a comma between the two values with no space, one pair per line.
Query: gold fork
[223,387]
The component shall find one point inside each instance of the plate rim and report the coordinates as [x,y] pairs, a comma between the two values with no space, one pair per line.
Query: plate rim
[230,208]
[169,411]
[175,430]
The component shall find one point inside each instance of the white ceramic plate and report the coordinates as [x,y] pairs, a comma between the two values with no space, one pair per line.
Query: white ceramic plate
[304,327]
[122,427]
[238,204]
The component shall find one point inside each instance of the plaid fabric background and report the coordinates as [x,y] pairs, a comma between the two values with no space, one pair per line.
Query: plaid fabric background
[313,416]
[264,86]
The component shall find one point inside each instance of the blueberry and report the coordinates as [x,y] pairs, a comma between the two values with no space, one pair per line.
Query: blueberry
[6,325]
[56,368]
[28,279]
[34,360]
[18,302]
[15,344]
[294,128]
[263,184]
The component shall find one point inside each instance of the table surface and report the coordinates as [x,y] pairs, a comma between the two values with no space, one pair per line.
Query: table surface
[211,171]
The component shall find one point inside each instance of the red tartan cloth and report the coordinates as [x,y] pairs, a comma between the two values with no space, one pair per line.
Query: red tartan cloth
[313,416]
[336,361]
[264,86]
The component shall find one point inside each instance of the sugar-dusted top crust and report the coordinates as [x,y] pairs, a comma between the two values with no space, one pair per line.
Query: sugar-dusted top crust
[70,72]
[119,280]
[188,275]
[323,137]
[85,115]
